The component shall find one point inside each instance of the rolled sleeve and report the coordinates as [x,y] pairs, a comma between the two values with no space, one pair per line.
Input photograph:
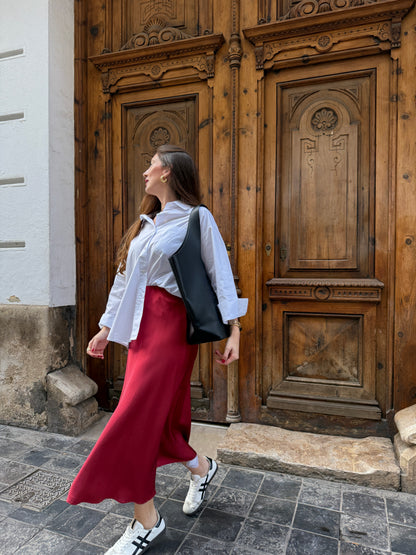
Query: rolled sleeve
[215,257]
[114,300]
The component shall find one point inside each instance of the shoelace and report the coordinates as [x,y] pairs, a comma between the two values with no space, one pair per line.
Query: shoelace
[126,538]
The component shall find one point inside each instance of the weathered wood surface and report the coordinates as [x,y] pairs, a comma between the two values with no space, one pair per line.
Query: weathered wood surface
[303,134]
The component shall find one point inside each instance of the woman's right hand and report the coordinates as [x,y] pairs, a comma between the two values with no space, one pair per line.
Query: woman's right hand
[98,343]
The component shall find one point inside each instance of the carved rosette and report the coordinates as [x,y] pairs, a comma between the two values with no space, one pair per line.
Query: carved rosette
[159,136]
[324,120]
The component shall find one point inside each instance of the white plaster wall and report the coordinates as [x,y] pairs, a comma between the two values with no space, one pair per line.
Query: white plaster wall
[39,149]
[61,154]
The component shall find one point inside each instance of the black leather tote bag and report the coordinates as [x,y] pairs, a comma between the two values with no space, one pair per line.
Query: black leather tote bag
[204,319]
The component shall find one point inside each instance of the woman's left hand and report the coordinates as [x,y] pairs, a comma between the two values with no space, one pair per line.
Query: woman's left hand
[231,350]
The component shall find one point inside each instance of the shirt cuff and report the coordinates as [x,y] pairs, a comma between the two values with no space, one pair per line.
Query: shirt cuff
[106,321]
[230,311]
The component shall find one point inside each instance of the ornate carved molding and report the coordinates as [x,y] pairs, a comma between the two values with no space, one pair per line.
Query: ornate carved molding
[344,28]
[156,31]
[311,7]
[235,51]
[154,61]
[328,290]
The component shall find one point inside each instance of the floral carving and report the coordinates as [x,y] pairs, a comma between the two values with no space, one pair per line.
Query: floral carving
[312,7]
[159,137]
[156,31]
[324,120]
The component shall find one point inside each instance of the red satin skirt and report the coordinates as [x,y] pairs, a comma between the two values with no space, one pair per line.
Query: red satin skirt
[151,424]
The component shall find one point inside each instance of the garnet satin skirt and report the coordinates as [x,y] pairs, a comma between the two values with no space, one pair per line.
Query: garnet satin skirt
[151,424]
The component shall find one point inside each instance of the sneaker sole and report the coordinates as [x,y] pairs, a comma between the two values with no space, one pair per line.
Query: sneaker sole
[199,506]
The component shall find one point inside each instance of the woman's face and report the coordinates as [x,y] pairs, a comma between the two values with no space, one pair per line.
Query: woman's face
[152,178]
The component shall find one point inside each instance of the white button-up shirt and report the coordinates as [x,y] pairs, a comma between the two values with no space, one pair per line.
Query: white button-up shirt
[147,264]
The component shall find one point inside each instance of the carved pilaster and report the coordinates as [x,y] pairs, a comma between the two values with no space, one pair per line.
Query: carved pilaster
[234,56]
[233,411]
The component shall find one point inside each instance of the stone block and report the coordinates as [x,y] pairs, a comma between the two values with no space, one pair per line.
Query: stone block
[71,406]
[66,419]
[406,455]
[70,386]
[405,421]
[368,462]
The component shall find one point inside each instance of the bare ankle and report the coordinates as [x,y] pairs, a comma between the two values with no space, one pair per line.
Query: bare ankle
[147,523]
[147,516]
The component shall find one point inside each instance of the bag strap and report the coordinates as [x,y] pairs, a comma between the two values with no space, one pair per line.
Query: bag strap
[194,225]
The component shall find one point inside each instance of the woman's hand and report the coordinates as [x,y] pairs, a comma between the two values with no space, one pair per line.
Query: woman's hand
[98,343]
[231,350]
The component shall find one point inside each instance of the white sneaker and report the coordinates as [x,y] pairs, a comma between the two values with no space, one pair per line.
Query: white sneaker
[136,539]
[197,488]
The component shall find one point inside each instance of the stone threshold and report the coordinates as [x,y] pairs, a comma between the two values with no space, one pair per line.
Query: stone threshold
[367,462]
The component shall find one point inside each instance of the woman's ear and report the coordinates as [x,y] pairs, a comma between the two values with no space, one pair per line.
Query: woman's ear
[166,173]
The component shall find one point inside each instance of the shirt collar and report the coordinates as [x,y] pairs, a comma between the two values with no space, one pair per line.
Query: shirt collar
[177,204]
[172,209]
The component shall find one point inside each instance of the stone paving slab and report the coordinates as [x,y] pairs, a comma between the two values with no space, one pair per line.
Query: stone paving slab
[39,490]
[247,512]
[368,461]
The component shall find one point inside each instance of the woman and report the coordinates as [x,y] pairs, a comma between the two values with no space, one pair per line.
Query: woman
[145,312]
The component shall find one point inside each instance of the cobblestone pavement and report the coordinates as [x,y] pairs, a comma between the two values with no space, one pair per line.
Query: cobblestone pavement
[246,512]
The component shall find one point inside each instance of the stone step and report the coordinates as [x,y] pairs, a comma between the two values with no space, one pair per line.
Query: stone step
[367,462]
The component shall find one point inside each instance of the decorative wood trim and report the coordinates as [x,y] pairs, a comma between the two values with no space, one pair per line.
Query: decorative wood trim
[326,32]
[327,290]
[368,409]
[153,61]
[156,31]
[311,7]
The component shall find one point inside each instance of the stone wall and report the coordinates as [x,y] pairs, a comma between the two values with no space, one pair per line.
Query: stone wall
[34,340]
[37,220]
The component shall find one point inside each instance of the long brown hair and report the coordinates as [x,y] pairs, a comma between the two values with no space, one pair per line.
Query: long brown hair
[184,182]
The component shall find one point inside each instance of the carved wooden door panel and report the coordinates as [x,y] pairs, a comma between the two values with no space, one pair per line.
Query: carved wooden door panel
[325,240]
[148,120]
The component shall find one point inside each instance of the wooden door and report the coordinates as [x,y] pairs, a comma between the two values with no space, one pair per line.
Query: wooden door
[320,217]
[290,110]
[147,120]
[151,78]
[326,151]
